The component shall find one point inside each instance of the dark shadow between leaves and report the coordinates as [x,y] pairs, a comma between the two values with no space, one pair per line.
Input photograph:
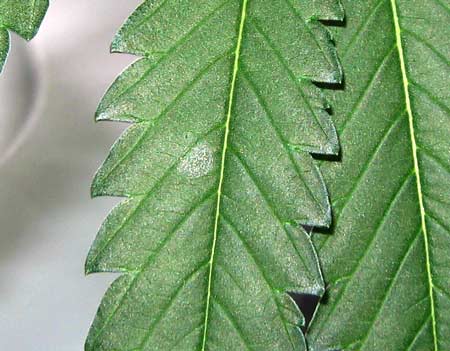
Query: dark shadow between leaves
[331,86]
[307,304]
[335,23]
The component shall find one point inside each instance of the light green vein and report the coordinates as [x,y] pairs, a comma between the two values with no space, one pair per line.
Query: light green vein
[416,167]
[222,166]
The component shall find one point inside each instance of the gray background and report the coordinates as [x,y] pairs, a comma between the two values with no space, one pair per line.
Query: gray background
[49,151]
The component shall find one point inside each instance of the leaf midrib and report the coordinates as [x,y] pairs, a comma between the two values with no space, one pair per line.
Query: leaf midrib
[222,166]
[416,167]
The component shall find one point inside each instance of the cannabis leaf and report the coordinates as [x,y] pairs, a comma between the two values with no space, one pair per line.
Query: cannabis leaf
[388,259]
[21,16]
[217,174]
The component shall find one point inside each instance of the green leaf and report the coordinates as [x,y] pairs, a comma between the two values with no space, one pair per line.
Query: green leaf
[21,16]
[387,261]
[217,174]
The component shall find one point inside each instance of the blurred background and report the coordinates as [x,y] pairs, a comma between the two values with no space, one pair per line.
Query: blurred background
[50,149]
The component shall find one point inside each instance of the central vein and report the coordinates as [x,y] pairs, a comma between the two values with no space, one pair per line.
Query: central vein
[237,54]
[416,169]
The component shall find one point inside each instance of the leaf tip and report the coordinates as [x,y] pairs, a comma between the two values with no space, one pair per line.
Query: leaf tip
[117,44]
[89,268]
[333,148]
[97,188]
[91,263]
[335,76]
[100,114]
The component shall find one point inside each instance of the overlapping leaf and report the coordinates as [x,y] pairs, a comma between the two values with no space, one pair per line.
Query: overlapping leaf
[217,174]
[21,16]
[388,258]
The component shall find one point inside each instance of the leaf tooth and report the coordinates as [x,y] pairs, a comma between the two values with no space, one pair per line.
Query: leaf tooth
[111,227]
[110,107]
[302,239]
[110,302]
[334,74]
[147,32]
[322,217]
[105,177]
[309,52]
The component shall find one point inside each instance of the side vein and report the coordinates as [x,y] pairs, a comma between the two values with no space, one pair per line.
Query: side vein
[222,166]
[416,166]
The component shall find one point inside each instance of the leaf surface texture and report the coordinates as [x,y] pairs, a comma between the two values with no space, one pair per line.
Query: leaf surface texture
[21,16]
[217,175]
[388,258]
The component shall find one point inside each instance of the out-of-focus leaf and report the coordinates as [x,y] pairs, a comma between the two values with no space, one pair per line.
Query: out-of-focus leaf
[21,16]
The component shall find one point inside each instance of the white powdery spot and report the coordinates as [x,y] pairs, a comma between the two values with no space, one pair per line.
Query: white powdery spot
[199,162]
